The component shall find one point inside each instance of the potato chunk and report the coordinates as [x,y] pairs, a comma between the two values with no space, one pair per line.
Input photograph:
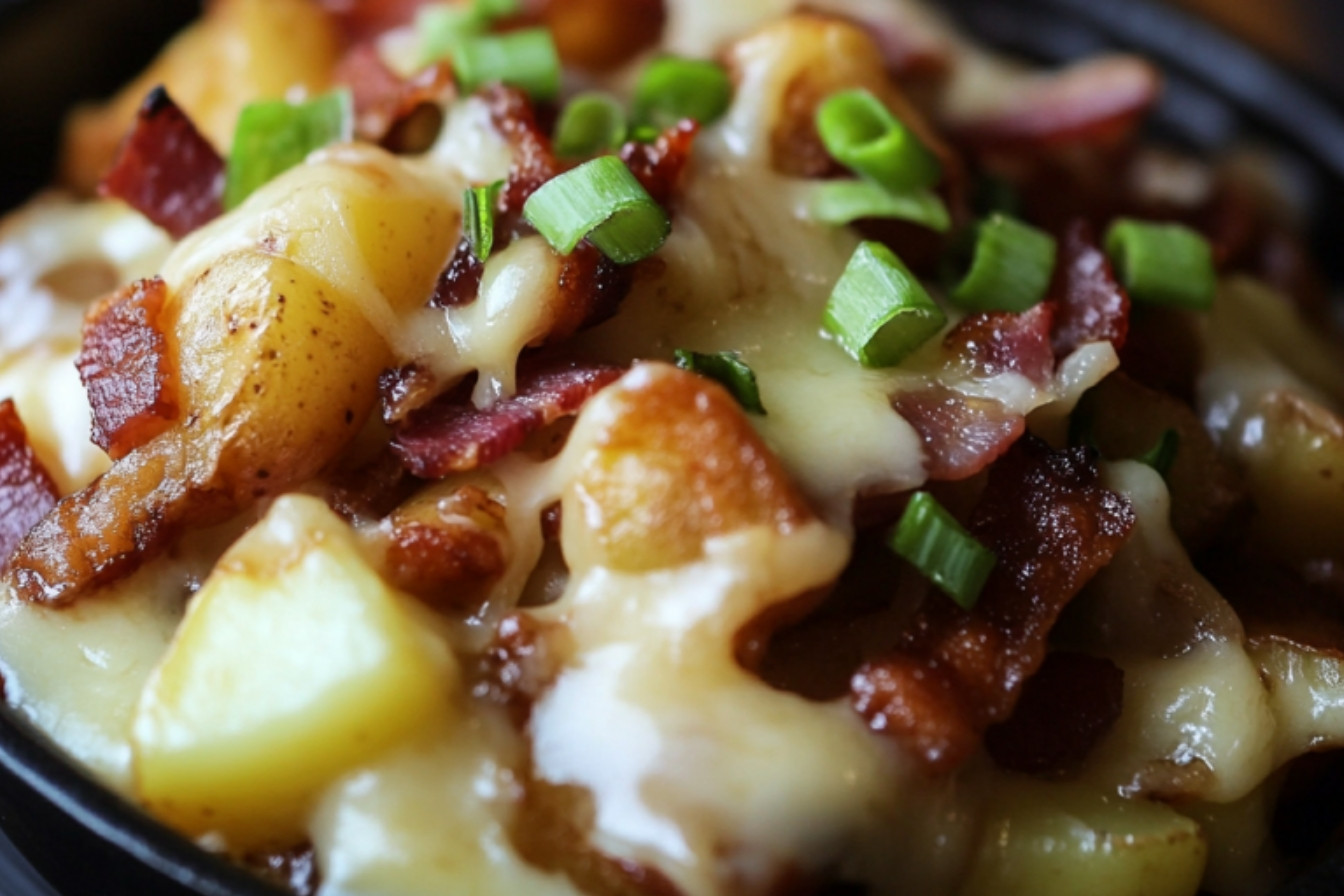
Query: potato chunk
[1047,839]
[294,663]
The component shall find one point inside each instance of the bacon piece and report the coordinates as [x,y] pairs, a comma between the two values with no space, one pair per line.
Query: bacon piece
[384,100]
[995,342]
[125,365]
[363,20]
[961,434]
[658,165]
[443,548]
[166,170]
[1066,708]
[27,491]
[534,161]
[452,435]
[1090,304]
[955,672]
[1097,103]
[520,663]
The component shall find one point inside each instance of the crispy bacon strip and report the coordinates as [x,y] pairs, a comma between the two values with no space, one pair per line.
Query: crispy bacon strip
[125,365]
[955,672]
[452,435]
[383,99]
[1095,103]
[963,434]
[1090,304]
[27,491]
[166,170]
[659,165]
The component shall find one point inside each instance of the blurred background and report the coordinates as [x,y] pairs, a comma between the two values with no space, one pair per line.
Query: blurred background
[1307,34]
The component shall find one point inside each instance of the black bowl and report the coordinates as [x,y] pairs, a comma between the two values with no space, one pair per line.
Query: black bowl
[88,842]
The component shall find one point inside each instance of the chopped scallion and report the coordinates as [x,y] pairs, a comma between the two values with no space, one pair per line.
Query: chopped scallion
[729,371]
[936,544]
[1162,455]
[440,27]
[603,201]
[672,88]
[1011,266]
[879,312]
[525,59]
[861,133]
[846,201]
[591,123]
[1163,264]
[273,136]
[478,217]
[495,9]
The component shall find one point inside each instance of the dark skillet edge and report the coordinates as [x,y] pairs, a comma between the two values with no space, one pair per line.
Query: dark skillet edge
[40,791]
[113,847]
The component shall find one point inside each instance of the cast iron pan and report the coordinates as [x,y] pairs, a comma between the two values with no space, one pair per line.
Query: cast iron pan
[87,842]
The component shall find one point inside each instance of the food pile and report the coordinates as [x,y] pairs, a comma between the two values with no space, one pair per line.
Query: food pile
[674,448]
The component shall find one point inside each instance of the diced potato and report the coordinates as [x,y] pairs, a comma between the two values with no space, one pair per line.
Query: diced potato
[294,663]
[1059,840]
[240,51]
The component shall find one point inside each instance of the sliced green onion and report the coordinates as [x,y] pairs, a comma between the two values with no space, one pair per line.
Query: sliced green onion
[603,201]
[728,370]
[846,201]
[441,27]
[672,88]
[495,9]
[591,123]
[1163,264]
[478,217]
[524,59]
[273,136]
[861,133]
[1162,455]
[1011,266]
[936,544]
[878,311]
[645,133]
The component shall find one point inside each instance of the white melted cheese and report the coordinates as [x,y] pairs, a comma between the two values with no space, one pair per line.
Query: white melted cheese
[54,407]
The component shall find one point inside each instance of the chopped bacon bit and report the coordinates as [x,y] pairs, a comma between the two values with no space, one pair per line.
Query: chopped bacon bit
[534,161]
[1090,304]
[994,342]
[460,282]
[27,491]
[955,672]
[1095,103]
[166,170]
[961,434]
[520,663]
[658,165]
[404,389]
[363,20]
[591,289]
[1065,710]
[453,435]
[444,550]
[382,98]
[123,361]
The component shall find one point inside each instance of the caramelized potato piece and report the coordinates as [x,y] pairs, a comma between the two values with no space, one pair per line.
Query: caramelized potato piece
[669,461]
[295,663]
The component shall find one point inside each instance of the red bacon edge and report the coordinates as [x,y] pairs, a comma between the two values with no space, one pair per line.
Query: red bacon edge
[167,170]
[1090,304]
[452,435]
[27,490]
[124,363]
[955,672]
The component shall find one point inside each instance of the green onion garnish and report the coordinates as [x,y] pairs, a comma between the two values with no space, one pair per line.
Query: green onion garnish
[495,9]
[440,27]
[524,59]
[1162,455]
[846,201]
[942,550]
[592,122]
[273,136]
[1011,266]
[878,311]
[603,201]
[672,88]
[861,133]
[478,217]
[729,371]
[1163,264]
